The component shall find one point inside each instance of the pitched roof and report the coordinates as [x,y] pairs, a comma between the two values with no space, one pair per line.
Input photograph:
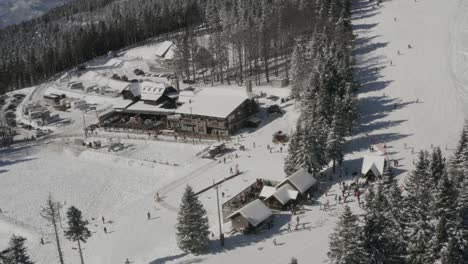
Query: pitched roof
[162,48]
[301,180]
[374,164]
[285,193]
[255,212]
[151,91]
[214,102]
[267,191]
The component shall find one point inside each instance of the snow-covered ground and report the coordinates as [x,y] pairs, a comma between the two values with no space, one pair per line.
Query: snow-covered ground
[427,83]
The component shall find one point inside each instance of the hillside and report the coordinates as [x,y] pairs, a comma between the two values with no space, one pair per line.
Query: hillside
[16,11]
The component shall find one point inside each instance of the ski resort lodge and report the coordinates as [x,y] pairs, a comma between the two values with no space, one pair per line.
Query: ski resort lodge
[215,112]
[209,113]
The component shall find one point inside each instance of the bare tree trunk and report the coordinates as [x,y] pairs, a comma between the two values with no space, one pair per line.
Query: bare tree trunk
[59,248]
[239,55]
[51,213]
[81,252]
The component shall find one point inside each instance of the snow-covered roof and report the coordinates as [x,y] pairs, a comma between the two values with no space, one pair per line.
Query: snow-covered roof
[301,180]
[162,48]
[114,85]
[214,102]
[285,193]
[267,191]
[170,53]
[148,108]
[152,91]
[255,212]
[373,163]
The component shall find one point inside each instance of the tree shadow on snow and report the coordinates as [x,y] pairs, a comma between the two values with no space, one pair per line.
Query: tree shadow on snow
[168,258]
[363,142]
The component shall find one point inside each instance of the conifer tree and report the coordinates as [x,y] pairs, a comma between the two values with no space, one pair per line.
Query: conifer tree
[437,165]
[345,242]
[453,252]
[335,142]
[294,160]
[192,224]
[16,253]
[77,229]
[381,236]
[418,202]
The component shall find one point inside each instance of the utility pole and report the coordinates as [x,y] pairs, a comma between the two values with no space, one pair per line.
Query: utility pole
[84,124]
[221,235]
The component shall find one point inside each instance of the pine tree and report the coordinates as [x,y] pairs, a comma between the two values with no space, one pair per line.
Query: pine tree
[381,236]
[437,165]
[298,70]
[453,252]
[192,226]
[16,253]
[335,142]
[294,160]
[345,242]
[77,229]
[418,202]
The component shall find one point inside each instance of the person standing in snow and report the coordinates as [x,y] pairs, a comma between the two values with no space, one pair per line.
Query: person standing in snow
[127,261]
[289,227]
[274,241]
[105,230]
[103,220]
[148,215]
[297,219]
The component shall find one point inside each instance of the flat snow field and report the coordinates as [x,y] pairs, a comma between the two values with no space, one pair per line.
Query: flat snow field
[411,98]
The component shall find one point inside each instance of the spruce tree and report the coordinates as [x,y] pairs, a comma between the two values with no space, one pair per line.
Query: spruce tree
[418,202]
[381,235]
[192,224]
[335,142]
[346,246]
[453,252]
[77,229]
[16,253]
[295,158]
[437,165]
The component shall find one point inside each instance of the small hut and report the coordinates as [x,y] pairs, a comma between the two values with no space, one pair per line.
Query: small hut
[373,166]
[251,217]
